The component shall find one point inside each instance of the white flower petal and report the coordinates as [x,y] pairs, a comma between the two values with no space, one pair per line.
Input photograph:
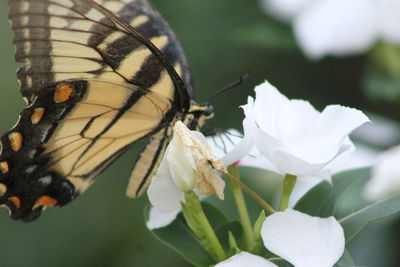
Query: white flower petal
[290,164]
[158,219]
[334,125]
[390,20]
[359,156]
[385,179]
[163,192]
[256,160]
[268,144]
[297,138]
[285,9]
[228,147]
[303,240]
[200,137]
[181,164]
[245,259]
[224,143]
[286,161]
[240,151]
[296,128]
[267,107]
[353,158]
[337,27]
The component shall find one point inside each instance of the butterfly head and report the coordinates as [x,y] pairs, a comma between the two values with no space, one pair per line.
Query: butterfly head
[197,115]
[26,200]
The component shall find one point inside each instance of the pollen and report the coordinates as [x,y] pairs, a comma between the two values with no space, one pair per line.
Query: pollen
[16,141]
[16,201]
[4,168]
[37,115]
[63,93]
[46,201]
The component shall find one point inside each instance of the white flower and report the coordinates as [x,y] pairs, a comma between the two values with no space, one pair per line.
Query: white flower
[302,240]
[339,27]
[188,164]
[158,219]
[234,148]
[224,143]
[295,137]
[245,259]
[285,9]
[385,179]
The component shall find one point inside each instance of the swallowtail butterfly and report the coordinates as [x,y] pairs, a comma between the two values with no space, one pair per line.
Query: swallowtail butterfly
[98,77]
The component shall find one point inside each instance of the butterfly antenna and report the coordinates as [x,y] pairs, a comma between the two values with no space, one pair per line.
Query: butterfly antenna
[222,134]
[230,86]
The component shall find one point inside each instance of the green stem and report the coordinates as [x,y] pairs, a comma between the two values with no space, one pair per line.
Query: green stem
[251,193]
[288,184]
[211,242]
[241,206]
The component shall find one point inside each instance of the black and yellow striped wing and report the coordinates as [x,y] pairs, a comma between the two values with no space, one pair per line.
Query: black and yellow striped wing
[95,85]
[148,22]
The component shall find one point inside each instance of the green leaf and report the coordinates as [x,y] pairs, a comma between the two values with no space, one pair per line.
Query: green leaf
[179,237]
[343,200]
[345,261]
[354,222]
[340,198]
[214,215]
[280,262]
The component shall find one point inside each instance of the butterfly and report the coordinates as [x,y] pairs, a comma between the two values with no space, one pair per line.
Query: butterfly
[98,78]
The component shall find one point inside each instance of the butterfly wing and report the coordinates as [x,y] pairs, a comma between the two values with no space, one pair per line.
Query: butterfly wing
[148,21]
[94,87]
[145,19]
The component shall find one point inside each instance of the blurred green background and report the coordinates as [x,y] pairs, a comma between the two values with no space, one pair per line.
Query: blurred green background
[222,39]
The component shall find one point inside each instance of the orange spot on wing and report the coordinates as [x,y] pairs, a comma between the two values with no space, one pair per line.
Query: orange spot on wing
[4,167]
[3,189]
[16,201]
[16,141]
[37,115]
[63,93]
[46,201]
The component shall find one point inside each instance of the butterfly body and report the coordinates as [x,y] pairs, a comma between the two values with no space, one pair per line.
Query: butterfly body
[95,86]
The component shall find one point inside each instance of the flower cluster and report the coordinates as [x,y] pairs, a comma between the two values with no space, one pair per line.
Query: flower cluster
[289,137]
